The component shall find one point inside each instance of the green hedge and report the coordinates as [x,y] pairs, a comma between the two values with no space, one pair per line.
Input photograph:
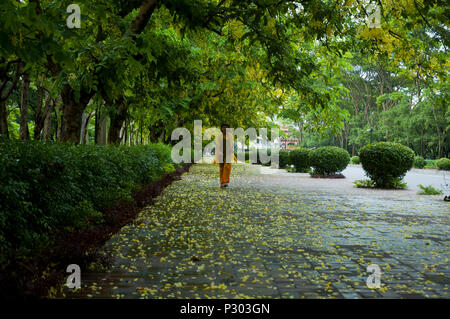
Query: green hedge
[47,188]
[284,158]
[386,163]
[355,160]
[269,153]
[300,159]
[419,162]
[430,164]
[443,163]
[329,160]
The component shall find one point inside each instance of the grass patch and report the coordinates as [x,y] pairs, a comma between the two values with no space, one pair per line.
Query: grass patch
[429,190]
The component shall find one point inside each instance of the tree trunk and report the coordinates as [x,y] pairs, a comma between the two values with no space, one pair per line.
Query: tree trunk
[3,119]
[143,16]
[38,116]
[71,122]
[58,109]
[124,132]
[5,92]
[72,114]
[83,131]
[48,120]
[422,144]
[24,133]
[42,115]
[117,120]
[102,129]
[300,127]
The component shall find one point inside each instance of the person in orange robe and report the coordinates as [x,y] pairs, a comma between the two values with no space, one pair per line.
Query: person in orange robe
[224,155]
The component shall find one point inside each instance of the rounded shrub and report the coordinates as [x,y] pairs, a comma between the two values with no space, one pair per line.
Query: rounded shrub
[443,163]
[386,163]
[284,158]
[300,159]
[328,160]
[355,160]
[419,162]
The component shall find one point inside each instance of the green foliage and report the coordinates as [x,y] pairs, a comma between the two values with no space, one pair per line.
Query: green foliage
[300,158]
[429,190]
[329,160]
[49,188]
[443,164]
[169,168]
[419,162]
[292,169]
[284,158]
[397,183]
[430,164]
[364,183]
[355,160]
[386,162]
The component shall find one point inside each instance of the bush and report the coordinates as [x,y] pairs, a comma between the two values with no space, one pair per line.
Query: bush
[430,164]
[300,159]
[397,183]
[429,190]
[386,163]
[419,162]
[49,188]
[247,156]
[284,158]
[355,160]
[443,163]
[327,160]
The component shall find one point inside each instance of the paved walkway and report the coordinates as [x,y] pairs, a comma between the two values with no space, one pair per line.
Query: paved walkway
[277,235]
[413,178]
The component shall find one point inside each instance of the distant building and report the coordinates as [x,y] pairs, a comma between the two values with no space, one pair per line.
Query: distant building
[289,142]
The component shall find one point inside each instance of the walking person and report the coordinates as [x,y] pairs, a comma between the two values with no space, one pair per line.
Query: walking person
[224,154]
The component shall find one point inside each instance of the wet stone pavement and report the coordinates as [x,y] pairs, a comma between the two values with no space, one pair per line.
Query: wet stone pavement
[276,236]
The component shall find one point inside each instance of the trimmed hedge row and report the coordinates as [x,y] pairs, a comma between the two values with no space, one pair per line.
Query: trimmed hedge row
[47,188]
[284,159]
[355,160]
[258,152]
[325,160]
[329,160]
[300,158]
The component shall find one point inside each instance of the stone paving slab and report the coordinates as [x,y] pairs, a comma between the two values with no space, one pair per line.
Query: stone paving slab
[276,236]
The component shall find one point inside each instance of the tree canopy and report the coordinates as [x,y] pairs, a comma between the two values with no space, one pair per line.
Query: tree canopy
[140,68]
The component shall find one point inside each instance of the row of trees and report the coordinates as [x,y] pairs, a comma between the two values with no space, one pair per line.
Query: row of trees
[394,89]
[137,69]
[386,105]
